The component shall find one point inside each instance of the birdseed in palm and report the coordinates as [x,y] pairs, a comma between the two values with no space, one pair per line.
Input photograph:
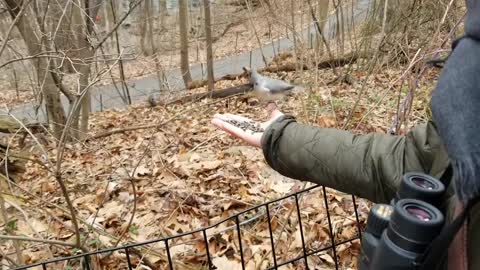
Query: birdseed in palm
[244,125]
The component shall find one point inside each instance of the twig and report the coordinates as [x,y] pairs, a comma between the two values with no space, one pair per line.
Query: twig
[60,152]
[222,93]
[252,24]
[35,56]
[120,62]
[404,109]
[320,32]
[13,24]
[122,130]
[44,151]
[370,72]
[204,142]
[143,259]
[285,224]
[29,239]
[16,245]
[411,65]
[134,191]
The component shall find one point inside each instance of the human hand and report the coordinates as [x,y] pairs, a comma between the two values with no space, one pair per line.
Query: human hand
[252,137]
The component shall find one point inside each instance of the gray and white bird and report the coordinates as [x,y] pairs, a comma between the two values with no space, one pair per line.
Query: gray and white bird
[267,89]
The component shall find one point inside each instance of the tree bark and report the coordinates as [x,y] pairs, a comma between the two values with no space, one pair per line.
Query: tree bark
[222,93]
[183,21]
[145,19]
[322,20]
[55,112]
[208,35]
[163,14]
[80,26]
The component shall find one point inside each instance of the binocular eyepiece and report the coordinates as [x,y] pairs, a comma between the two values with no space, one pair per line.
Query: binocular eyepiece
[398,233]
[422,187]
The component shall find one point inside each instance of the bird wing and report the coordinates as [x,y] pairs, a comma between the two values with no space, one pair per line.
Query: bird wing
[277,86]
[265,85]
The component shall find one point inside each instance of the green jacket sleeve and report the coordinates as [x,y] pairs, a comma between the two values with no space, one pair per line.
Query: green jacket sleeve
[369,166]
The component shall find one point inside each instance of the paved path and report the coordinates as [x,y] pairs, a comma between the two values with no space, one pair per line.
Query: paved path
[141,88]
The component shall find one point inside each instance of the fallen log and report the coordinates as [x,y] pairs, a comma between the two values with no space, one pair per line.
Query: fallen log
[287,67]
[339,62]
[228,77]
[10,125]
[230,91]
[329,63]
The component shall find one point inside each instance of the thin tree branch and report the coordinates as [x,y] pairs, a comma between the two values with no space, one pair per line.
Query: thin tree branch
[320,32]
[29,239]
[14,23]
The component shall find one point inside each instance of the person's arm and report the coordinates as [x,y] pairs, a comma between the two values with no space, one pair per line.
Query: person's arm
[369,166]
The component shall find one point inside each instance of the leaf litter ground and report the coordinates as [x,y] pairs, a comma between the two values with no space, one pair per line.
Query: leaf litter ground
[189,175]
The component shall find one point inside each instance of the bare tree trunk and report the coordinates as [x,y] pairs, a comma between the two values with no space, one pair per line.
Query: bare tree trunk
[158,67]
[144,27]
[150,25]
[183,21]
[340,36]
[83,27]
[85,102]
[61,21]
[163,14]
[294,33]
[322,20]
[55,112]
[125,89]
[208,35]
[108,18]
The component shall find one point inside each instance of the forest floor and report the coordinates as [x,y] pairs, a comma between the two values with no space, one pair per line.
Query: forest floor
[182,174]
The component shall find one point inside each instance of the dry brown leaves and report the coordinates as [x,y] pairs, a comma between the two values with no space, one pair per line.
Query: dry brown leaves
[188,175]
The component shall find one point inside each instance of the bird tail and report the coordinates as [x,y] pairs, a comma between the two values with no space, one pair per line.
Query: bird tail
[247,70]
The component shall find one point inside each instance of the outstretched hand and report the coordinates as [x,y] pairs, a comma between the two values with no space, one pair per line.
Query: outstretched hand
[223,122]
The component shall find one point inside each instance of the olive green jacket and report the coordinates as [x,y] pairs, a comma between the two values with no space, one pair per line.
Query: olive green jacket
[369,166]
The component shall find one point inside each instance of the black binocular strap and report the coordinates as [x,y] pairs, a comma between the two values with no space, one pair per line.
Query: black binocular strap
[439,246]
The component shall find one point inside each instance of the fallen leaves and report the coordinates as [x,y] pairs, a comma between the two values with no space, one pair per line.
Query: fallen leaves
[188,175]
[225,263]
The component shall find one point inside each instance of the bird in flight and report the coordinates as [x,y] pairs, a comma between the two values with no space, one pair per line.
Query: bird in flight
[265,88]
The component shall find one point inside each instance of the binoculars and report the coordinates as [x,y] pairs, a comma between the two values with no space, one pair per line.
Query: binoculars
[399,232]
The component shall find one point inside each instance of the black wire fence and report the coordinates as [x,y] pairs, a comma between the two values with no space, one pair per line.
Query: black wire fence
[138,255]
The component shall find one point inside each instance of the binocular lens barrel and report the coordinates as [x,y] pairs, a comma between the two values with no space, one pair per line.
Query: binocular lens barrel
[378,220]
[398,233]
[422,187]
[414,224]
